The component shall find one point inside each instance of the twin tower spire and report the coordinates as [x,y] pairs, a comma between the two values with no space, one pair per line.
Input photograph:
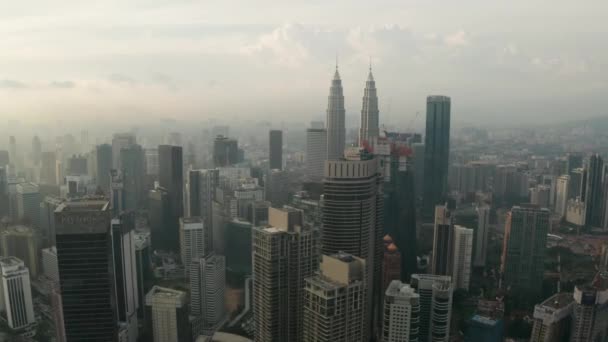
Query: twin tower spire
[335,121]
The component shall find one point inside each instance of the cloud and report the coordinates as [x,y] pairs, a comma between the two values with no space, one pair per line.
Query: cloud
[122,79]
[165,80]
[456,39]
[12,84]
[62,84]
[283,45]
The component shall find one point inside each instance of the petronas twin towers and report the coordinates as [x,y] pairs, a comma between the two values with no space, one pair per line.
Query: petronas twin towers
[336,129]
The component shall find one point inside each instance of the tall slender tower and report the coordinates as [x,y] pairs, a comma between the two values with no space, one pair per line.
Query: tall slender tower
[336,130]
[369,111]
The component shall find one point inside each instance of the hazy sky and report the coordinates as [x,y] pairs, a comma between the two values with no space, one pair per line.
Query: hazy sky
[138,59]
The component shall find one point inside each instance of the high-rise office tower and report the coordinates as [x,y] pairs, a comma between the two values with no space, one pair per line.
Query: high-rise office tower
[418,161]
[23,243]
[168,315]
[4,158]
[77,165]
[401,208]
[47,219]
[352,218]
[12,150]
[462,253]
[437,152]
[391,263]
[192,240]
[16,295]
[590,312]
[144,272]
[120,141]
[50,269]
[561,195]
[28,203]
[151,155]
[160,219]
[276,187]
[4,193]
[117,192]
[443,237]
[48,175]
[284,254]
[334,304]
[133,172]
[316,152]
[84,256]
[369,112]
[552,318]
[207,287]
[594,197]
[104,165]
[225,151]
[336,131]
[481,236]
[540,195]
[124,267]
[524,246]
[574,161]
[401,313]
[275,157]
[577,184]
[36,150]
[435,306]
[200,195]
[171,178]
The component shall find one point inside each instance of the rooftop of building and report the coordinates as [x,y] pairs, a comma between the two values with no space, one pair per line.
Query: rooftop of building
[558,301]
[484,320]
[398,289]
[84,205]
[27,188]
[10,261]
[194,219]
[18,230]
[158,291]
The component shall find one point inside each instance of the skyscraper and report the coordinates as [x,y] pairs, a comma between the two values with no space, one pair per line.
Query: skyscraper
[207,287]
[481,236]
[225,151]
[84,256]
[590,310]
[104,165]
[336,130]
[284,254]
[200,195]
[276,187]
[172,179]
[125,274]
[160,220]
[334,304]
[275,157]
[401,313]
[369,112]
[21,242]
[168,315]
[524,246]
[594,197]
[391,263]
[352,218]
[192,240]
[48,175]
[435,306]
[133,172]
[463,250]
[437,152]
[28,203]
[552,318]
[36,150]
[561,195]
[16,294]
[316,152]
[120,141]
[443,237]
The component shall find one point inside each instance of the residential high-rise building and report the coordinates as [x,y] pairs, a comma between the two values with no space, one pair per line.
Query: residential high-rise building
[160,219]
[48,175]
[120,141]
[435,293]
[594,192]
[16,304]
[28,203]
[336,129]
[133,174]
[84,257]
[284,254]
[437,152]
[525,242]
[561,195]
[352,219]
[316,152]
[462,253]
[168,315]
[401,313]
[21,242]
[369,130]
[171,178]
[104,165]
[334,302]
[443,241]
[207,287]
[124,267]
[552,318]
[481,236]
[225,151]
[590,312]
[275,157]
[192,240]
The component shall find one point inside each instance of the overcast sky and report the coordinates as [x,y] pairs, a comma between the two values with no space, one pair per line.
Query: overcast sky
[134,59]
